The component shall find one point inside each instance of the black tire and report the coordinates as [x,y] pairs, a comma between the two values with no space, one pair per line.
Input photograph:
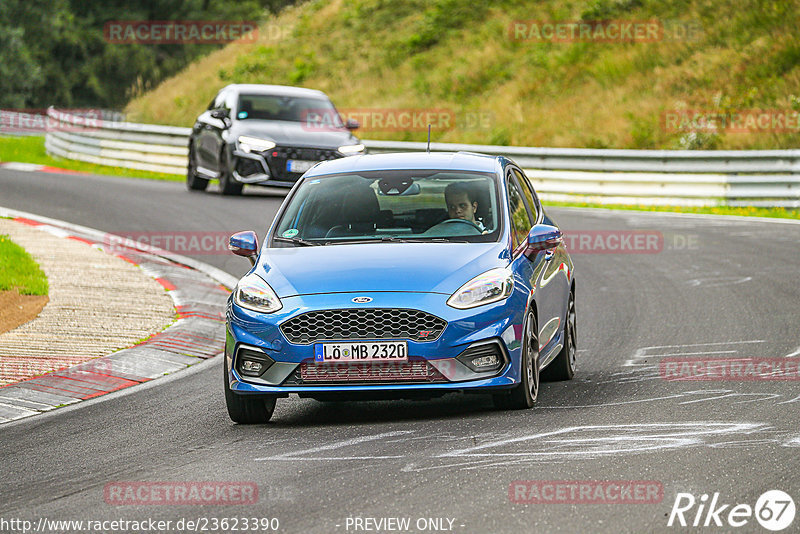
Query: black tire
[524,395]
[194,182]
[563,367]
[227,185]
[247,409]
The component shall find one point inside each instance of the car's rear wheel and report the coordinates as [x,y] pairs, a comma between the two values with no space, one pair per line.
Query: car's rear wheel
[194,182]
[227,185]
[524,395]
[247,409]
[563,367]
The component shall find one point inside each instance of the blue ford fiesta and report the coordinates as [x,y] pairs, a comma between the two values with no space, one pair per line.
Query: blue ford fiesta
[402,275]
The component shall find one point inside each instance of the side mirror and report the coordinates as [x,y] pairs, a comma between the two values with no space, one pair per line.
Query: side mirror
[543,237]
[244,244]
[220,113]
[352,124]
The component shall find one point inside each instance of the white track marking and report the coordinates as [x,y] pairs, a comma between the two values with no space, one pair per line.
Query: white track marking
[793,354]
[338,445]
[656,351]
[652,435]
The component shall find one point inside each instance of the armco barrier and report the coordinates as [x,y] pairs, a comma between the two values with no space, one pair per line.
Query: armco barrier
[658,177]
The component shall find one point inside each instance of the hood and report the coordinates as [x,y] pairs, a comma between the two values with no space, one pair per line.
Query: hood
[417,267]
[293,133]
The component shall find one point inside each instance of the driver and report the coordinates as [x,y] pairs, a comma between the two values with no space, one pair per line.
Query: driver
[462,203]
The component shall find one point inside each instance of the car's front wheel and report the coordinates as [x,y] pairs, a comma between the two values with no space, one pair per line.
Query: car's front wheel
[194,182]
[247,409]
[227,185]
[524,395]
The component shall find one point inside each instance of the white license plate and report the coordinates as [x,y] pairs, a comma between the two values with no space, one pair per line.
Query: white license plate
[378,351]
[299,165]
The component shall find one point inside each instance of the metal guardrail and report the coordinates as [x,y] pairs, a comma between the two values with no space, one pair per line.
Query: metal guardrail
[653,177]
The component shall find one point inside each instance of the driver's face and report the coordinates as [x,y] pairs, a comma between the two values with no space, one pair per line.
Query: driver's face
[459,207]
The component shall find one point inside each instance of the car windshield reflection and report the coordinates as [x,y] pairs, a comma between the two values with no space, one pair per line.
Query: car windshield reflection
[392,206]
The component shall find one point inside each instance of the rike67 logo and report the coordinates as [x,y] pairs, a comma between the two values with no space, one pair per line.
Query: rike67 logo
[774,510]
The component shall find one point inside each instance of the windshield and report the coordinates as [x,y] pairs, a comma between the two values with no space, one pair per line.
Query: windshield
[285,108]
[392,205]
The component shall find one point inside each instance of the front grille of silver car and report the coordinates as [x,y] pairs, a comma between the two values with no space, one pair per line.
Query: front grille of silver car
[278,156]
[363,323]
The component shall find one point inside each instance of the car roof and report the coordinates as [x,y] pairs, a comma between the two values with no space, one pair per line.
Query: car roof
[279,90]
[463,161]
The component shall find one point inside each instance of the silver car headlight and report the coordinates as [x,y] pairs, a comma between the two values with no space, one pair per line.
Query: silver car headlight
[249,144]
[491,286]
[352,150]
[255,294]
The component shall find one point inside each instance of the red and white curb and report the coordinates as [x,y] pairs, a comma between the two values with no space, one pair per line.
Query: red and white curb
[34,167]
[199,292]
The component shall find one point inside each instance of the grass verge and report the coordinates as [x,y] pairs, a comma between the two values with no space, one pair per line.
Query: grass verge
[749,211]
[19,270]
[31,150]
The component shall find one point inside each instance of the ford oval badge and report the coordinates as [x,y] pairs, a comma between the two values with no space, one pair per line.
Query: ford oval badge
[362,300]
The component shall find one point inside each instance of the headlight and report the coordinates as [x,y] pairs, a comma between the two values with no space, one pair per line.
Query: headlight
[249,144]
[349,150]
[255,294]
[485,288]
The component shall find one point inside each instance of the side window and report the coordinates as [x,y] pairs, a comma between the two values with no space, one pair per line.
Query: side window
[520,223]
[529,196]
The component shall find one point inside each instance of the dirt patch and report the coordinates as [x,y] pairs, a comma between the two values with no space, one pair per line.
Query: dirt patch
[16,309]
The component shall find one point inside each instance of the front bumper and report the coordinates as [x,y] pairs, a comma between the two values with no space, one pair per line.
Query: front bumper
[498,323]
[269,167]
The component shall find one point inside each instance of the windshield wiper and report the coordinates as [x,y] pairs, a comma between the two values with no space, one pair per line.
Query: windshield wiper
[298,241]
[395,239]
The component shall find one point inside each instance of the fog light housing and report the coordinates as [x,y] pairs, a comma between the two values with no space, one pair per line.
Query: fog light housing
[483,362]
[483,358]
[252,362]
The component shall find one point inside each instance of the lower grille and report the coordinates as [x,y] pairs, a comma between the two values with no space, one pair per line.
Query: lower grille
[419,371]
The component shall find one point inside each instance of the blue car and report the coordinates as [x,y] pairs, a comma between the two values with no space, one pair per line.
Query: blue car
[402,276]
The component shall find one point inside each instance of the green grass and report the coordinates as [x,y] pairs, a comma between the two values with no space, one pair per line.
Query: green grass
[19,270]
[749,211]
[716,55]
[31,150]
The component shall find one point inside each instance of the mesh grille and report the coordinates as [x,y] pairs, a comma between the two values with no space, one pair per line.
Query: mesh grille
[363,324]
[279,155]
[410,371]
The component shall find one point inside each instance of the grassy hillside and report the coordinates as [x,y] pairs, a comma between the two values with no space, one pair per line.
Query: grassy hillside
[458,55]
